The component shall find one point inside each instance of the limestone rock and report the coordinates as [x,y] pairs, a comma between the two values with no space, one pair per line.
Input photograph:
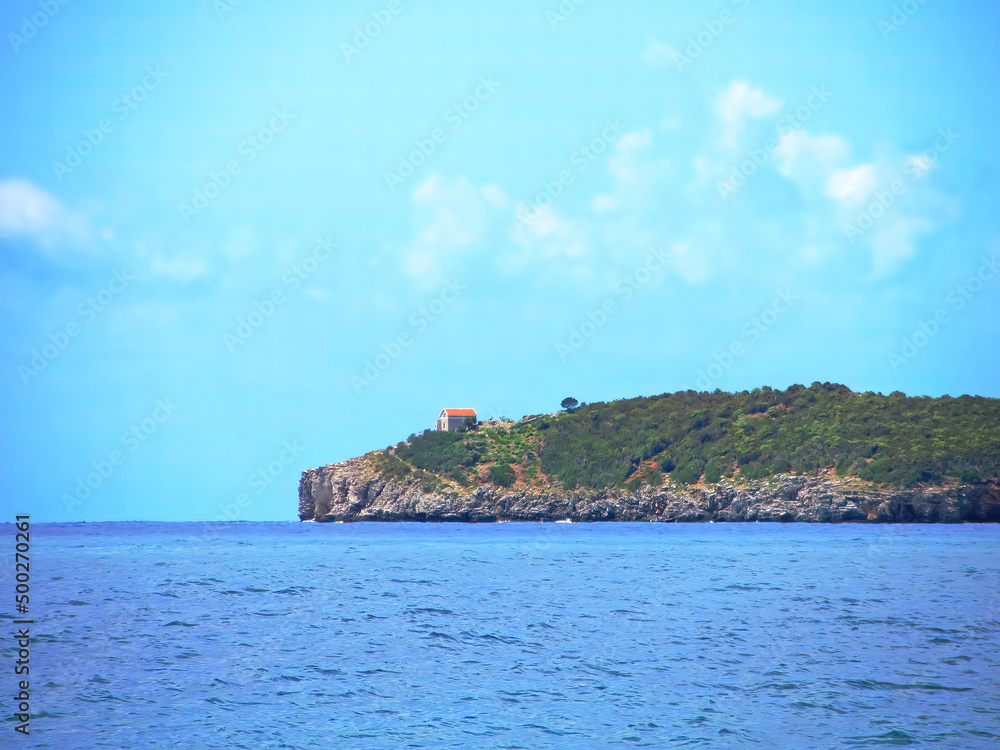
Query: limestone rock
[353,491]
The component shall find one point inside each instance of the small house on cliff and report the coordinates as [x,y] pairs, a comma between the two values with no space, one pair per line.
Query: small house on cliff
[452,419]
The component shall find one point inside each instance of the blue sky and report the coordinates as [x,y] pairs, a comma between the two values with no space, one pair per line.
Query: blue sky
[240,240]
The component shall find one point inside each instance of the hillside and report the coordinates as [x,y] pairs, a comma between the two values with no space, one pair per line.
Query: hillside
[702,448]
[690,436]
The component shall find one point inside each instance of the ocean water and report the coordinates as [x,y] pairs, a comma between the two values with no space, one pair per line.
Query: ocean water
[510,636]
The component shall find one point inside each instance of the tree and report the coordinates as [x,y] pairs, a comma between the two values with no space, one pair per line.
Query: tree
[654,476]
[569,404]
[502,474]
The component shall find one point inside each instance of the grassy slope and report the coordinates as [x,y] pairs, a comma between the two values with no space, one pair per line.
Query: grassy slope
[689,437]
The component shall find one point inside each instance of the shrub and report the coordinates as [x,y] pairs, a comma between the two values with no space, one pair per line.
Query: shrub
[755,471]
[970,476]
[688,473]
[878,471]
[911,439]
[390,467]
[712,472]
[502,474]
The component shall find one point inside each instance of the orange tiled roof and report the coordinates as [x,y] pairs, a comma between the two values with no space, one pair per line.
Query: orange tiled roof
[460,412]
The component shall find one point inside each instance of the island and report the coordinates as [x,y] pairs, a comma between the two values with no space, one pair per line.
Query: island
[820,454]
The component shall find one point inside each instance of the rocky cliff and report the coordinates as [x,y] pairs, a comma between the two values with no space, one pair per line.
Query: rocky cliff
[355,491]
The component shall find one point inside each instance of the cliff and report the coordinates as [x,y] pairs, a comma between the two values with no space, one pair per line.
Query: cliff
[357,490]
[820,454]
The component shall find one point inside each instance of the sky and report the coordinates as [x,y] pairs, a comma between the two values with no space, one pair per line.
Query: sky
[239,240]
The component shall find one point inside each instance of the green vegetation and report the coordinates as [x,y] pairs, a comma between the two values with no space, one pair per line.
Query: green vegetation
[390,466]
[502,474]
[884,439]
[689,437]
[713,473]
[439,452]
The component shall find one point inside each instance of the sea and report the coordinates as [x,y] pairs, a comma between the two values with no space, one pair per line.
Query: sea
[511,635]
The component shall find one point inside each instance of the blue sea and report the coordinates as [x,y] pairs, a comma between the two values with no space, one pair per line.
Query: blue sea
[369,636]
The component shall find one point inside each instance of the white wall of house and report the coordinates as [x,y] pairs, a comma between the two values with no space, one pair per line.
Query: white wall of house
[450,421]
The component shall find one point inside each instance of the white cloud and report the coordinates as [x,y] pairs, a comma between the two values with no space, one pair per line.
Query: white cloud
[691,266]
[551,246]
[453,216]
[496,196]
[852,185]
[811,253]
[920,164]
[454,210]
[634,140]
[658,54]
[456,219]
[630,158]
[895,241]
[636,172]
[603,204]
[28,211]
[158,254]
[805,158]
[815,164]
[179,267]
[546,235]
[736,104]
[320,295]
[650,200]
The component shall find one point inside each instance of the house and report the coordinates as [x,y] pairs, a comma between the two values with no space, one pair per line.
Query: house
[452,419]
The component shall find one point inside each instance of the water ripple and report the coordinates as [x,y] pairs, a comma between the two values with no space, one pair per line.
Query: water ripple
[582,636]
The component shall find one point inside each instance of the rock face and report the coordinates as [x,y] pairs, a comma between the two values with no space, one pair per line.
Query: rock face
[354,491]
